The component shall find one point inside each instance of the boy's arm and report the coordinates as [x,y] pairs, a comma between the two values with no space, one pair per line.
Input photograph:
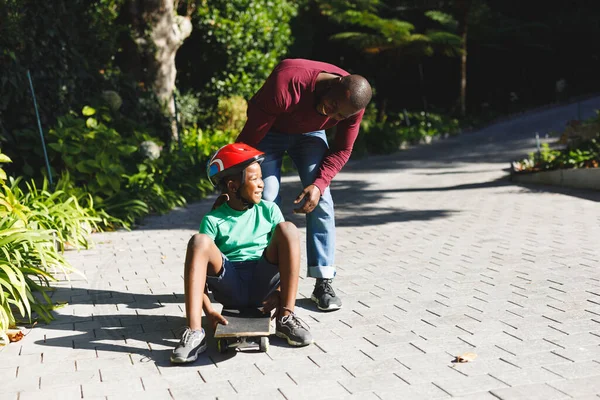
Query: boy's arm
[214,317]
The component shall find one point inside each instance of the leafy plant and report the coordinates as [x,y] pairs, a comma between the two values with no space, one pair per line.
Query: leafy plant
[231,113]
[406,128]
[64,66]
[582,149]
[242,41]
[93,153]
[56,211]
[29,260]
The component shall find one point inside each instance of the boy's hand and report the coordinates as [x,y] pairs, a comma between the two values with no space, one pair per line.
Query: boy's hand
[223,198]
[311,195]
[215,319]
[272,302]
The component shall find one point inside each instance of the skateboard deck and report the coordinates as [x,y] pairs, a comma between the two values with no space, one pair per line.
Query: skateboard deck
[246,329]
[244,323]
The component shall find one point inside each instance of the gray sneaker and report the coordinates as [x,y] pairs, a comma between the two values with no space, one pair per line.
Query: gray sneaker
[293,330]
[191,344]
[325,297]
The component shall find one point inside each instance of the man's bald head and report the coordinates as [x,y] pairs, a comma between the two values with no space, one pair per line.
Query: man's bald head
[358,90]
[345,97]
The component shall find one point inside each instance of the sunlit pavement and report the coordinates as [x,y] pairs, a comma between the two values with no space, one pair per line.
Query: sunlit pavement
[438,255]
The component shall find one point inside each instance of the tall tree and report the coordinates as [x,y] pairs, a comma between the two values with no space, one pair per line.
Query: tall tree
[463,7]
[159,28]
[390,41]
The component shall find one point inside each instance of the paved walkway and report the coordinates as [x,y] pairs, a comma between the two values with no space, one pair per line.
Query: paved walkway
[438,255]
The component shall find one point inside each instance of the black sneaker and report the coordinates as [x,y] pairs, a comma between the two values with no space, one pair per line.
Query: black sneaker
[293,330]
[191,344]
[324,296]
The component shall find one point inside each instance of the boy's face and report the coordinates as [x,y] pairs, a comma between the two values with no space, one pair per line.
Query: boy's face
[254,185]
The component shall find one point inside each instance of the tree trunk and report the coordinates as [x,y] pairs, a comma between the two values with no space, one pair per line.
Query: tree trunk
[463,7]
[382,109]
[159,32]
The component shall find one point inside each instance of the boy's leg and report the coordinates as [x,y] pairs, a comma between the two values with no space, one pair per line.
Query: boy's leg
[201,259]
[284,251]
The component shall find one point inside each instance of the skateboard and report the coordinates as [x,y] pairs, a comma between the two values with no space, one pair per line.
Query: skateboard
[246,329]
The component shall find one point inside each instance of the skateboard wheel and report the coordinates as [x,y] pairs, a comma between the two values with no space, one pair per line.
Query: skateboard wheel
[264,344]
[222,345]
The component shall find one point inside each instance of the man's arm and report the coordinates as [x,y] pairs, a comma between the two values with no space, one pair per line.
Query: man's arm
[263,109]
[340,151]
[258,124]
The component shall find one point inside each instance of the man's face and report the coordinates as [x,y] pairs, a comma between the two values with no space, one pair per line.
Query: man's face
[335,104]
[253,186]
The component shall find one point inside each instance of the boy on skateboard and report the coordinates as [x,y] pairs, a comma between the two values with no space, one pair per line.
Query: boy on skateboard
[245,252]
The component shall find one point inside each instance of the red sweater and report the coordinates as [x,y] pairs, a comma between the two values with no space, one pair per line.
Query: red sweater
[286,104]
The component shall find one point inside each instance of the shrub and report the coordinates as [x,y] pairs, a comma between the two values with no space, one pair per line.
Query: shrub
[231,114]
[405,128]
[56,211]
[29,258]
[52,40]
[94,154]
[582,149]
[241,42]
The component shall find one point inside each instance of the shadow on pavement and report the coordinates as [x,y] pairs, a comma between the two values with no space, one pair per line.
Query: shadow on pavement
[590,195]
[138,329]
[356,205]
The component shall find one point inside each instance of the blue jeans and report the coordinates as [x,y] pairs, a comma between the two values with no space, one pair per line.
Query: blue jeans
[307,152]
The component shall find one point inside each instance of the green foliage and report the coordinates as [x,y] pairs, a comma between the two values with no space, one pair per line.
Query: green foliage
[242,41]
[64,43]
[94,154]
[444,19]
[231,113]
[585,155]
[380,35]
[188,108]
[56,211]
[29,258]
[109,174]
[406,129]
[581,150]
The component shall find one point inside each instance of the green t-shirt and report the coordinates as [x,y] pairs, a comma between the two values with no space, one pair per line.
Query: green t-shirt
[242,235]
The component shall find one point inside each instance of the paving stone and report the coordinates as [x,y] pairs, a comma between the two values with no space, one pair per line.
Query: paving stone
[67,392]
[150,395]
[112,388]
[437,255]
[216,389]
[575,370]
[579,386]
[69,378]
[478,396]
[464,385]
[537,391]
[416,392]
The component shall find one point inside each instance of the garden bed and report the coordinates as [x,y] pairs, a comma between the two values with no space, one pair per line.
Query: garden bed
[586,178]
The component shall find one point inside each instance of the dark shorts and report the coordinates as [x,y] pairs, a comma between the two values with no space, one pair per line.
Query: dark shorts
[245,283]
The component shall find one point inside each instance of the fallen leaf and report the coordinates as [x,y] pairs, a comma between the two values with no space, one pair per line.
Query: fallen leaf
[14,335]
[465,357]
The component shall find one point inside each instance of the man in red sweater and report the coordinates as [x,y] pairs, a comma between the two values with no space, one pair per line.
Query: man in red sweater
[298,101]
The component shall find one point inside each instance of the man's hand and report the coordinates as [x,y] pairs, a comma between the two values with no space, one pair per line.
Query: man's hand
[272,302]
[311,195]
[215,319]
[223,198]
